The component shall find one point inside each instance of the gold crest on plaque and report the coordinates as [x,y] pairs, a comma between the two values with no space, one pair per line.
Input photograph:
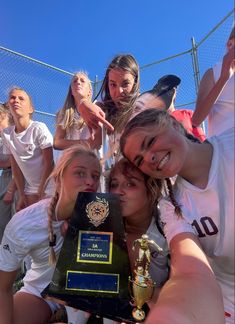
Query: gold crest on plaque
[97,211]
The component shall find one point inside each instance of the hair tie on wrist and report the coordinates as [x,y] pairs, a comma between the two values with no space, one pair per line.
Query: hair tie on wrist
[53,242]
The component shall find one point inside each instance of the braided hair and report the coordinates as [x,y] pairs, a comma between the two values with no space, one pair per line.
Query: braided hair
[57,176]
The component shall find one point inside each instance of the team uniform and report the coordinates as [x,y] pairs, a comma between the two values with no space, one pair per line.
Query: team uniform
[77,131]
[209,213]
[221,116]
[5,178]
[26,148]
[27,234]
[159,266]
[184,116]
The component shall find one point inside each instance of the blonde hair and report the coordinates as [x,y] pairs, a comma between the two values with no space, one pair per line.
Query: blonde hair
[65,116]
[57,176]
[21,89]
[4,110]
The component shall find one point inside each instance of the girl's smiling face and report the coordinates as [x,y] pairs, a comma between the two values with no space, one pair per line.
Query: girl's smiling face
[159,152]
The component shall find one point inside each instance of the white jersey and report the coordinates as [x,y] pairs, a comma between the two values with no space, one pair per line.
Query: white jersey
[76,132]
[159,266]
[221,116]
[210,212]
[26,148]
[27,234]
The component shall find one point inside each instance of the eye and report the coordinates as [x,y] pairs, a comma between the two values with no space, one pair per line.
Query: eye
[130,184]
[96,177]
[81,174]
[126,84]
[112,85]
[113,185]
[138,161]
[150,142]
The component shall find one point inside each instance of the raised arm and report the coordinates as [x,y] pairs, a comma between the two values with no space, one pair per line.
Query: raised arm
[192,294]
[60,142]
[210,90]
[93,115]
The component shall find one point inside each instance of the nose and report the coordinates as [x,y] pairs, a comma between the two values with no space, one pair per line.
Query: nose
[120,90]
[150,157]
[89,181]
[119,190]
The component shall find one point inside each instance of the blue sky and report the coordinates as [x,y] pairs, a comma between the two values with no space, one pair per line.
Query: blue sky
[85,35]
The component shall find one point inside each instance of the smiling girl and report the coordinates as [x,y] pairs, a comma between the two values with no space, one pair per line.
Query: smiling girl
[156,143]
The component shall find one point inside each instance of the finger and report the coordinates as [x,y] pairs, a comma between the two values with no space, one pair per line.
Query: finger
[105,123]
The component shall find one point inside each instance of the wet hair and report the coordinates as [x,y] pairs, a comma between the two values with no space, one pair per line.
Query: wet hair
[65,116]
[118,117]
[161,119]
[57,176]
[21,89]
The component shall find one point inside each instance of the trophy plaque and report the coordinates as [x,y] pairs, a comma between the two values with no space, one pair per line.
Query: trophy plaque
[93,268]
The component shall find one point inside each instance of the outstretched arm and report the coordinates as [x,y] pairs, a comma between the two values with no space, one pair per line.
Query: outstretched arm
[192,294]
[93,115]
[210,90]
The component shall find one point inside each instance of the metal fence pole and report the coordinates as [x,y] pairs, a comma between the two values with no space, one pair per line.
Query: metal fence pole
[95,86]
[196,72]
[195,65]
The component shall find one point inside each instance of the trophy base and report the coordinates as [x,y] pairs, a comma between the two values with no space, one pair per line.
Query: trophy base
[138,314]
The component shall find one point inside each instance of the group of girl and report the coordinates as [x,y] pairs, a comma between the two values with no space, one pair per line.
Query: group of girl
[154,143]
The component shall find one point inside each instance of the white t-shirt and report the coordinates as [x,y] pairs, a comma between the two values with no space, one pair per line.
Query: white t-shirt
[27,234]
[26,148]
[75,132]
[221,116]
[210,212]
[159,265]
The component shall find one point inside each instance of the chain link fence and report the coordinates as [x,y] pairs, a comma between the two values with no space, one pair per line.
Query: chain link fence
[48,85]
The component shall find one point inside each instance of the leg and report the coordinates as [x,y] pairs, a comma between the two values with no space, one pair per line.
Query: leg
[30,309]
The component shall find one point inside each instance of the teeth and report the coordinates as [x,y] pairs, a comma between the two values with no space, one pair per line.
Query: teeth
[163,161]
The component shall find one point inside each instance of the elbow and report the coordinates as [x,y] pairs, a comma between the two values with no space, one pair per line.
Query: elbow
[195,121]
[56,145]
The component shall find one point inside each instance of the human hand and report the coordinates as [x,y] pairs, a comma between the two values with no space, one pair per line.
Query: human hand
[64,227]
[8,197]
[95,140]
[21,203]
[93,115]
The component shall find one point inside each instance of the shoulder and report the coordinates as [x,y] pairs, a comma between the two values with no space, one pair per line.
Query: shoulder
[208,77]
[27,220]
[8,130]
[225,143]
[39,125]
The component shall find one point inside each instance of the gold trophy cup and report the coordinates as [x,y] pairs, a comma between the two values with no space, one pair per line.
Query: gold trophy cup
[142,284]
